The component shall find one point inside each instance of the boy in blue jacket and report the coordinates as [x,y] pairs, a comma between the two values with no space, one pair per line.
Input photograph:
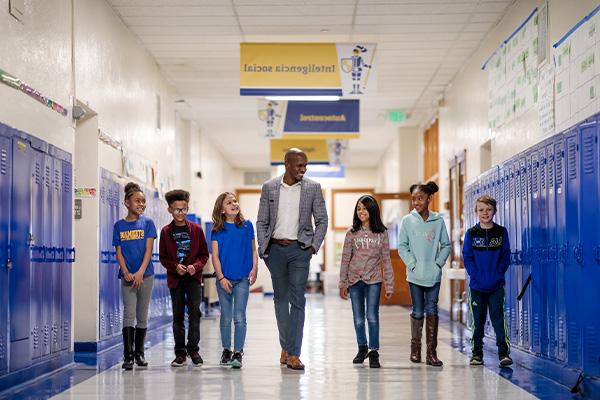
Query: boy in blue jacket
[486,255]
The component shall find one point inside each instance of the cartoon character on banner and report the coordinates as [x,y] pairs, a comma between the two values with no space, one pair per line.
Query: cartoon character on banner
[268,115]
[336,150]
[355,65]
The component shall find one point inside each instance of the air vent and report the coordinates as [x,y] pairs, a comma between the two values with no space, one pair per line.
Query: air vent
[256,177]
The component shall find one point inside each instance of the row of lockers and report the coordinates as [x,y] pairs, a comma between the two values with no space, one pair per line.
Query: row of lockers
[111,210]
[36,252]
[548,200]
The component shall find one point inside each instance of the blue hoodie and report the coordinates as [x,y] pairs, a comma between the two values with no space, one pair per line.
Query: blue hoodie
[486,255]
[424,247]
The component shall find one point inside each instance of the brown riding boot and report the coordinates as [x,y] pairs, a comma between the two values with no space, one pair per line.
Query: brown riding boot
[416,330]
[431,332]
[283,358]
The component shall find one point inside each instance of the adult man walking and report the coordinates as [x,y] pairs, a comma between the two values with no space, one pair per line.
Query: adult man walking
[287,241]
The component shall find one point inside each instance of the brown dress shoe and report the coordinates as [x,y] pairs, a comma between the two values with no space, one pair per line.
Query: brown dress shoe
[294,362]
[284,357]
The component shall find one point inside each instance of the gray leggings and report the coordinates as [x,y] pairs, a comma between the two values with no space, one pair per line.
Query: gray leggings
[136,302]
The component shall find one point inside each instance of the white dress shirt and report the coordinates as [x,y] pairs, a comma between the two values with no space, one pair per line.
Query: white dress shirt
[288,212]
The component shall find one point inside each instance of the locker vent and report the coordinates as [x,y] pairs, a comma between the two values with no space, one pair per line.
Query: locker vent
[543,174]
[38,173]
[3,162]
[588,154]
[561,338]
[56,180]
[551,172]
[511,185]
[573,343]
[36,337]
[590,362]
[67,182]
[572,162]
[66,332]
[47,177]
[559,168]
[2,347]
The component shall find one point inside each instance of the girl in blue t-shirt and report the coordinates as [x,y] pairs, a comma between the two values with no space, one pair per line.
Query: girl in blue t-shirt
[235,261]
[133,238]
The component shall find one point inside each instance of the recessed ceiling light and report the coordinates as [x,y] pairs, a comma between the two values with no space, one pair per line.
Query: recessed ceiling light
[324,30]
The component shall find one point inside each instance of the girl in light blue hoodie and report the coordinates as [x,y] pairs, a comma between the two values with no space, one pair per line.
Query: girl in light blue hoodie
[424,246]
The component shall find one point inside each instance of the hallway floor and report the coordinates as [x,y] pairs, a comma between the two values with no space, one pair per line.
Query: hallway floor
[328,349]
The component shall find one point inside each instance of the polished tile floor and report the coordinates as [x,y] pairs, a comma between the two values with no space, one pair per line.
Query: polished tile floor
[328,349]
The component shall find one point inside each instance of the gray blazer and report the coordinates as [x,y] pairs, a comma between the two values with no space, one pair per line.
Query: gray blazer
[312,204]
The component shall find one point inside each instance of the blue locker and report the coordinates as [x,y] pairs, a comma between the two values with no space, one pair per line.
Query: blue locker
[551,256]
[55,267]
[573,271]
[561,245]
[525,266]
[535,233]
[5,193]
[507,195]
[19,287]
[66,274]
[45,296]
[589,239]
[39,187]
[104,260]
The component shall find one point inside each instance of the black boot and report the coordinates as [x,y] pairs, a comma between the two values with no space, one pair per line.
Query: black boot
[374,359]
[361,355]
[128,333]
[140,337]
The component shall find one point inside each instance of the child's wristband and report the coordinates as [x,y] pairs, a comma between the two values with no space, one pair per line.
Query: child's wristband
[220,279]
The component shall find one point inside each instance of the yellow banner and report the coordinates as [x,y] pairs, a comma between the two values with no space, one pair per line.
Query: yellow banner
[316,150]
[309,66]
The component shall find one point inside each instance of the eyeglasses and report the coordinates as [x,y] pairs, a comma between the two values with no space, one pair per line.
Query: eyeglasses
[180,210]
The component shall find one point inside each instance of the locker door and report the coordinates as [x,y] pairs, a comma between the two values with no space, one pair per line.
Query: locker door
[515,244]
[562,246]
[67,243]
[551,264]
[543,249]
[46,269]
[115,284]
[55,267]
[535,231]
[506,172]
[104,257]
[525,186]
[38,254]
[19,287]
[5,193]
[589,239]
[573,270]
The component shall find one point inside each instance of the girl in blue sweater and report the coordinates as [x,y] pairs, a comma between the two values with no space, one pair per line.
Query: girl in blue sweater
[424,246]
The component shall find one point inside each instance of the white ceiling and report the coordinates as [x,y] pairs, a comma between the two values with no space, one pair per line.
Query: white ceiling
[422,44]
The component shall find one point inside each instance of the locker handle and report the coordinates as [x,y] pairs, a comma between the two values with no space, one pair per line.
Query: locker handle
[597,254]
[525,286]
[70,255]
[564,253]
[578,253]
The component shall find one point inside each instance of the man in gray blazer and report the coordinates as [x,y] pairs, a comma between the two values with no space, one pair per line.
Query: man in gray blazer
[287,241]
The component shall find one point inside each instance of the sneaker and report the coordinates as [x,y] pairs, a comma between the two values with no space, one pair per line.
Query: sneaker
[236,360]
[505,361]
[374,359]
[179,361]
[226,357]
[476,360]
[196,359]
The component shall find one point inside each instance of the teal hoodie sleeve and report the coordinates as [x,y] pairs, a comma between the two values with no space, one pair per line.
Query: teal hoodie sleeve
[404,247]
[444,247]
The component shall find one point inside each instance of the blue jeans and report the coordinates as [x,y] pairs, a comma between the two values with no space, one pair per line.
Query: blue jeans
[233,306]
[288,266]
[360,293]
[424,300]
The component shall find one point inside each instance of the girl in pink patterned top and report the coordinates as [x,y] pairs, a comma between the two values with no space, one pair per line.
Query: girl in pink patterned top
[366,248]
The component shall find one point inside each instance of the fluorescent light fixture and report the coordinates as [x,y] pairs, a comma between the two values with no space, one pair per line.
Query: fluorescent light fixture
[303,98]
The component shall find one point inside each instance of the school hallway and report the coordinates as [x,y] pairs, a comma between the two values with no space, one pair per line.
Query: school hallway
[327,351]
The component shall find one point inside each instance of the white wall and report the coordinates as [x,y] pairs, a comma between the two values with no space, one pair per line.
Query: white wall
[463,116]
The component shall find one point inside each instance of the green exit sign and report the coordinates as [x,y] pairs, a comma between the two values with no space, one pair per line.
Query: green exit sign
[396,116]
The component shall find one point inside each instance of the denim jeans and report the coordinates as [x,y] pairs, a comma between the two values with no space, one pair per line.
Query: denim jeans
[187,294]
[480,303]
[424,300]
[289,266]
[360,293]
[233,306]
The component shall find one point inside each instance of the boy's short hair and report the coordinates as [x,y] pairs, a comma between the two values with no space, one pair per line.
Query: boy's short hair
[489,200]
[177,195]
